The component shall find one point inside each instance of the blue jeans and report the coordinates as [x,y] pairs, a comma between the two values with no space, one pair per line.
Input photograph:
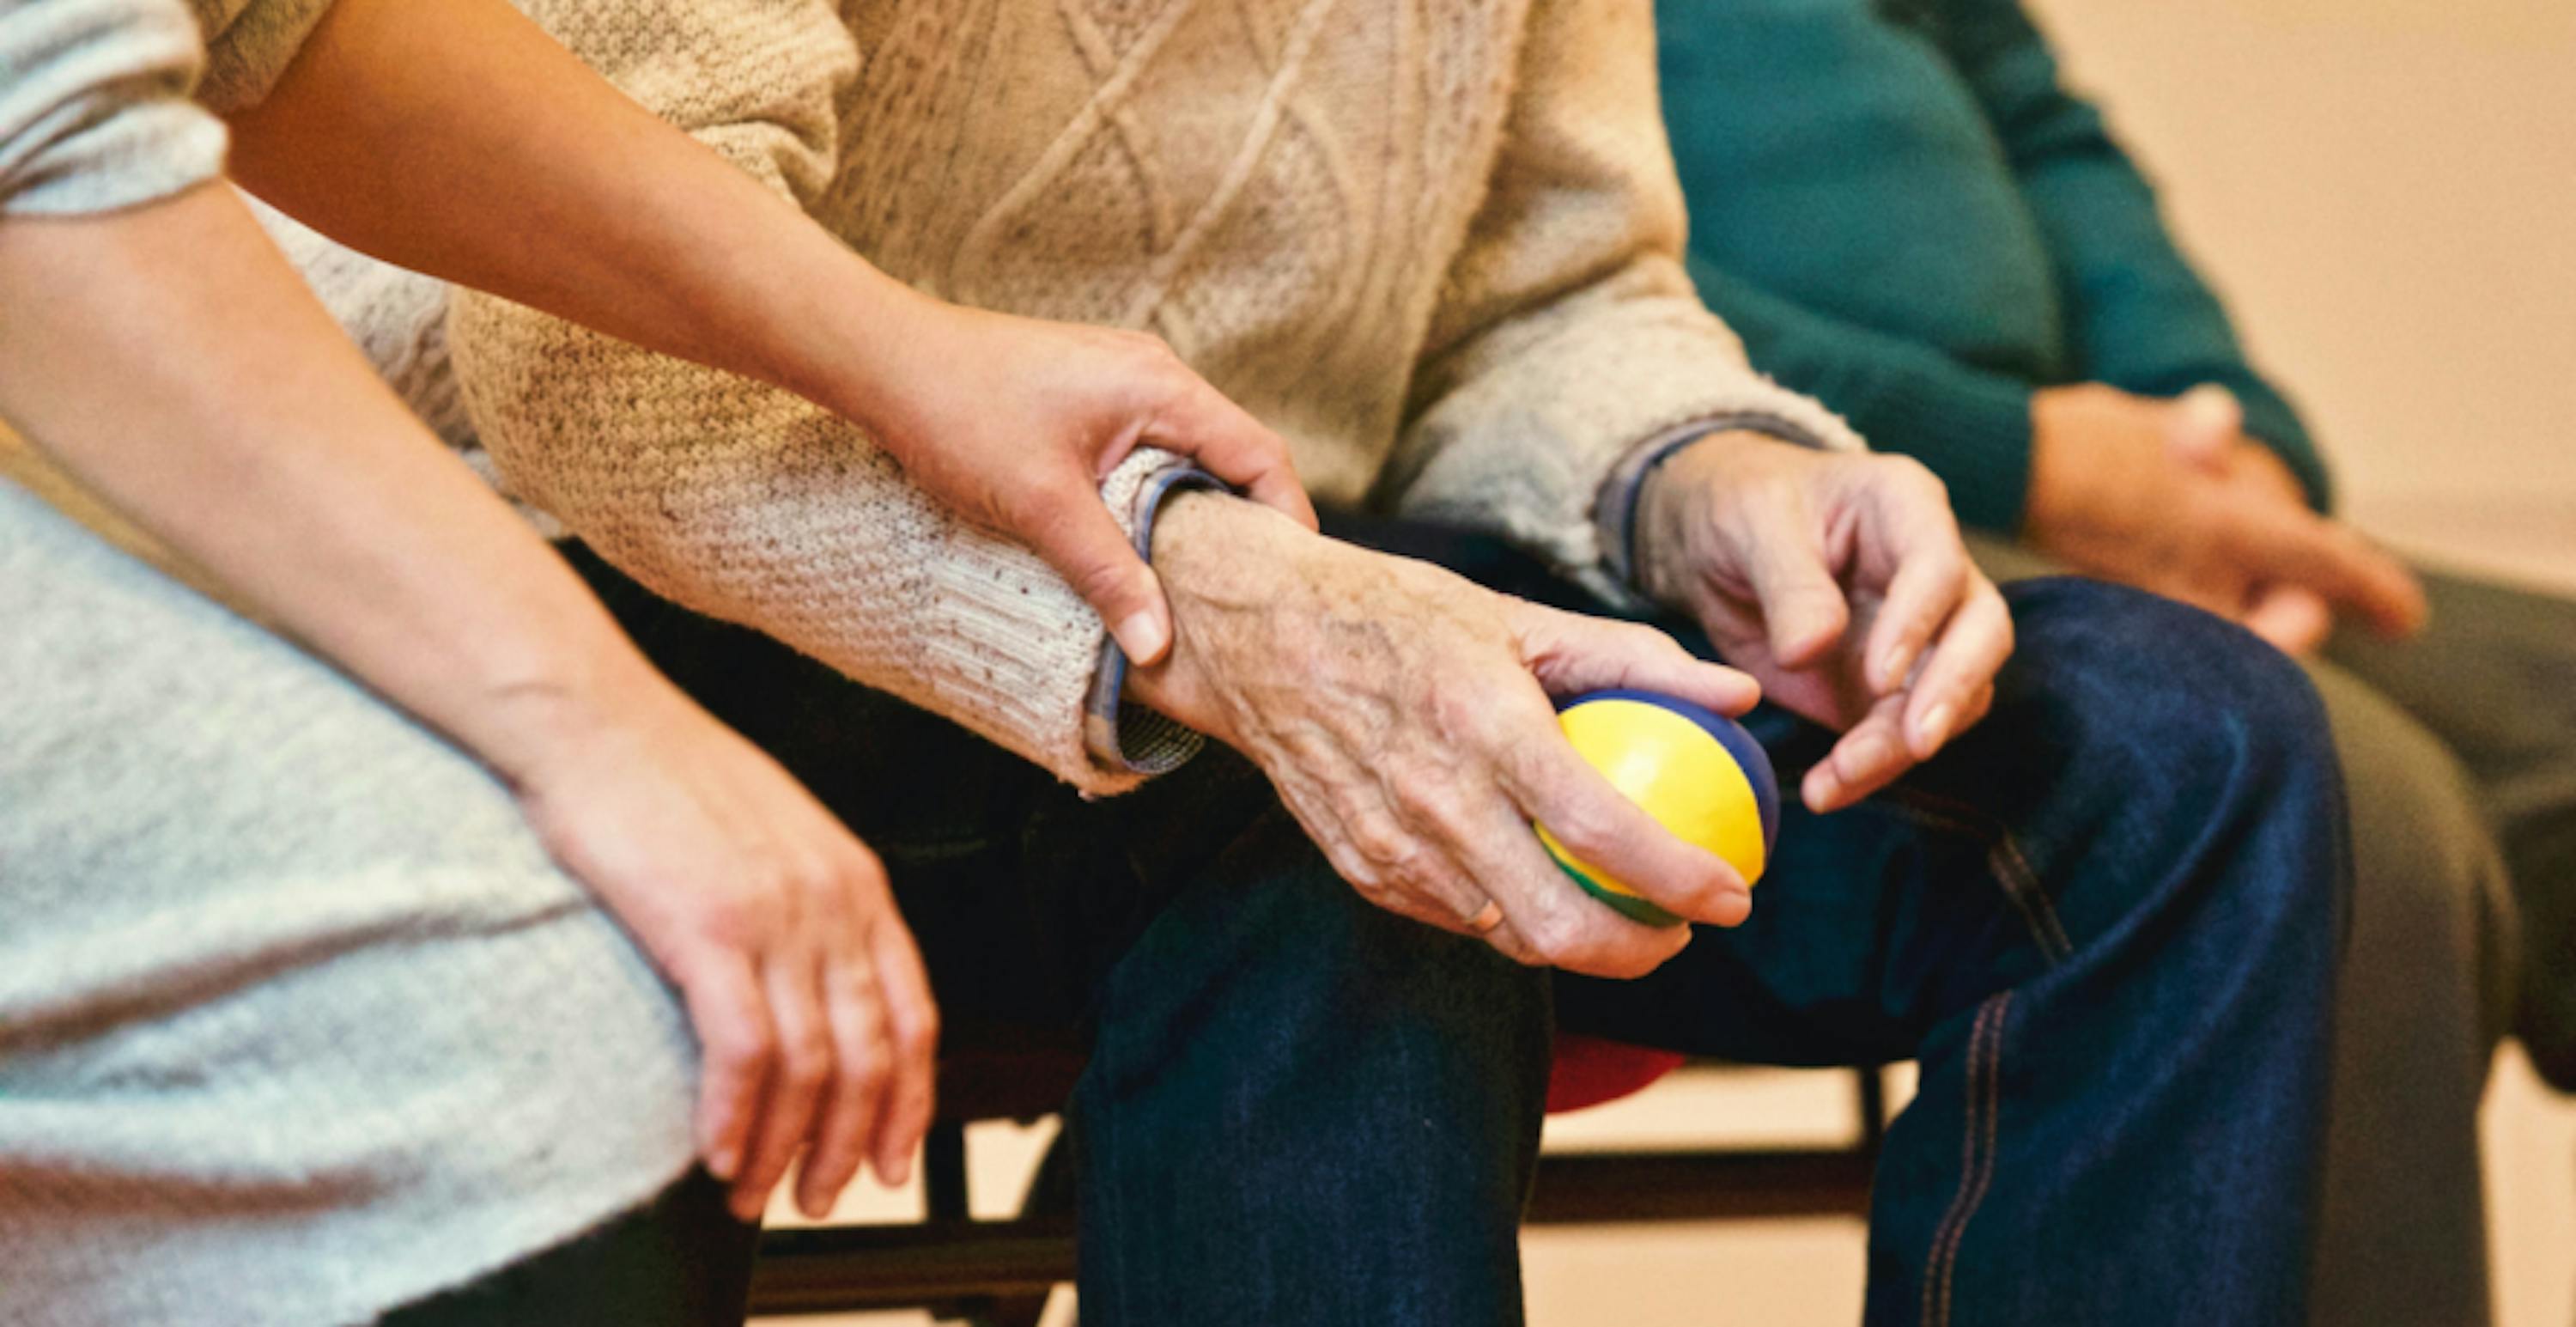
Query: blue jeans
[2105,922]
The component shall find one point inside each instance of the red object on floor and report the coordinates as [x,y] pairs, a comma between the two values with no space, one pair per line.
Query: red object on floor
[1589,1071]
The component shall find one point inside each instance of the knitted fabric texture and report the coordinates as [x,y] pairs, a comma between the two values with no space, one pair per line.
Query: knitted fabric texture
[1436,246]
[297,1020]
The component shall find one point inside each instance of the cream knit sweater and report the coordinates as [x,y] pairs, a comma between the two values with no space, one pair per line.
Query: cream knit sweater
[1434,244]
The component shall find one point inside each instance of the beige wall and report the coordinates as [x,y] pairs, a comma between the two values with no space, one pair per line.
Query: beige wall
[2387,190]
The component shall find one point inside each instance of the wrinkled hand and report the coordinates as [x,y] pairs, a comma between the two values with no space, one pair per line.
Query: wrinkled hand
[2172,497]
[1403,714]
[810,1003]
[1013,422]
[1839,580]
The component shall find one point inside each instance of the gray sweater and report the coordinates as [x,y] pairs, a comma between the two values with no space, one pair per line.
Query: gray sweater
[298,1022]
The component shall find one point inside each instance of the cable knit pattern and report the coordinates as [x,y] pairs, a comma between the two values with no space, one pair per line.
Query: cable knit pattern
[1435,244]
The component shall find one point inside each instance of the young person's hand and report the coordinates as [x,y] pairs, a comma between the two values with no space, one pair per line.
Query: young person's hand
[2171,496]
[1839,580]
[165,352]
[816,1025]
[567,197]
[1014,422]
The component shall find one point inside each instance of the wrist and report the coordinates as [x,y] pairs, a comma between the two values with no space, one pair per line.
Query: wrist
[1671,505]
[2070,464]
[865,347]
[1228,567]
[529,725]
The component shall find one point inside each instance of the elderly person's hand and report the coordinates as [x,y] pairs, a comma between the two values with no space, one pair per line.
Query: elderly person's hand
[1403,714]
[2171,496]
[1839,580]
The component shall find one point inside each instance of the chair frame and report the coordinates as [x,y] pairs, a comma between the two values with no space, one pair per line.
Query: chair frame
[999,1270]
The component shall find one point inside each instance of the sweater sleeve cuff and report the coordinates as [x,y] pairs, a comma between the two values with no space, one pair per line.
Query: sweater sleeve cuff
[1133,739]
[94,109]
[1614,512]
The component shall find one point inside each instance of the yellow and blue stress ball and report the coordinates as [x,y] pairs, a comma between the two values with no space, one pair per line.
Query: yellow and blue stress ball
[1697,772]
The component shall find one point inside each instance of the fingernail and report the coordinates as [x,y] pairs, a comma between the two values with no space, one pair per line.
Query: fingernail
[1934,729]
[1142,637]
[1818,788]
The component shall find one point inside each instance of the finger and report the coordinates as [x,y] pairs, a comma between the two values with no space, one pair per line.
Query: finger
[737,1053]
[2294,620]
[794,987]
[1972,650]
[1803,610]
[1229,443]
[1930,584]
[1548,920]
[1600,827]
[1869,757]
[1077,536]
[1979,705]
[1443,843]
[2203,425]
[912,1023]
[846,1120]
[1570,654]
[2332,560]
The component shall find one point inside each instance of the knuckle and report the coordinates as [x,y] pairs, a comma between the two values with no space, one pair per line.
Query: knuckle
[1584,829]
[1376,836]
[866,1076]
[807,1065]
[738,918]
[1556,938]
[747,1050]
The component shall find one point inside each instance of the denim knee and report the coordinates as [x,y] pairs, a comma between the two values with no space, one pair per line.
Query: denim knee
[2199,739]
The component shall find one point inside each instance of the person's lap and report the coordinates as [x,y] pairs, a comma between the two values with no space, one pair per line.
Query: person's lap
[1294,1095]
[2425,991]
[2493,679]
[295,1014]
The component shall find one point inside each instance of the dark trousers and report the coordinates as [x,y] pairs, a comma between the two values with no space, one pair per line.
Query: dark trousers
[2105,922]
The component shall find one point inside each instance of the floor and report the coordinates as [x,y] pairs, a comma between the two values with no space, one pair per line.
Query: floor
[1808,1273]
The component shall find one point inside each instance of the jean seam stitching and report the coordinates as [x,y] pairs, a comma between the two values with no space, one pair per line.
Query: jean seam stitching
[1977,1165]
[2004,860]
[1967,1160]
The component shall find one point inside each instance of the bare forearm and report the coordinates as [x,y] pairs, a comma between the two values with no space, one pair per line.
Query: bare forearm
[459,140]
[168,357]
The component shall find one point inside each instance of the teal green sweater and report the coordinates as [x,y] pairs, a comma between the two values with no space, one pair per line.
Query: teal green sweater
[1905,215]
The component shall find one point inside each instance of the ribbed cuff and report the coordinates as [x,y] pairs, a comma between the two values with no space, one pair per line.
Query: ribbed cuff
[1134,739]
[1971,428]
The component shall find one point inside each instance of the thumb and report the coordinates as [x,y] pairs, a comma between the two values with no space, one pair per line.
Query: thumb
[2203,424]
[1229,443]
[1096,558]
